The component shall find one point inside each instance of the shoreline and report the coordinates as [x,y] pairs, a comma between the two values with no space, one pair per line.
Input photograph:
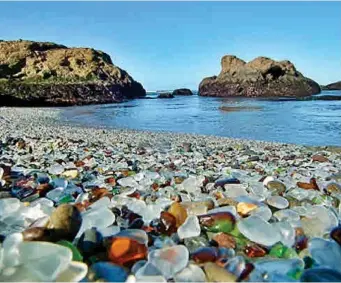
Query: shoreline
[50,120]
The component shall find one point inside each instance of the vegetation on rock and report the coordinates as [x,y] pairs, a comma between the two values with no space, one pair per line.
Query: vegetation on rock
[44,73]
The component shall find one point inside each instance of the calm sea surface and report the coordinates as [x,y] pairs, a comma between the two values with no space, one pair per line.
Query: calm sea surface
[301,122]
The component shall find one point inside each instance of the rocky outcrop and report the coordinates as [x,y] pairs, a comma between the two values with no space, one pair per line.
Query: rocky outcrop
[261,77]
[43,73]
[165,95]
[332,86]
[182,91]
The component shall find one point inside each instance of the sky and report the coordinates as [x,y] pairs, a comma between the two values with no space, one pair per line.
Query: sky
[167,45]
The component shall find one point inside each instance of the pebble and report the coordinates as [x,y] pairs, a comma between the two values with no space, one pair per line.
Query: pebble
[167,223]
[287,232]
[90,241]
[276,187]
[191,184]
[335,234]
[205,254]
[235,190]
[194,243]
[169,260]
[76,255]
[333,188]
[279,266]
[46,259]
[319,158]
[225,240]
[56,169]
[277,202]
[244,208]
[325,253]
[134,234]
[99,217]
[287,215]
[191,273]
[218,221]
[35,234]
[320,275]
[107,272]
[126,251]
[5,195]
[312,185]
[227,201]
[71,174]
[318,221]
[215,273]
[223,182]
[75,272]
[267,179]
[128,182]
[263,212]
[179,212]
[190,228]
[148,269]
[259,231]
[254,251]
[229,208]
[150,279]
[204,205]
[66,221]
[8,206]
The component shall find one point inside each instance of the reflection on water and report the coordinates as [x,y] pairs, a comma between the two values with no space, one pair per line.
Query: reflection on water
[120,105]
[303,122]
[239,108]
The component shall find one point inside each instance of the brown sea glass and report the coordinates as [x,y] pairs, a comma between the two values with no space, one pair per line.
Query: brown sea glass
[205,254]
[167,224]
[179,212]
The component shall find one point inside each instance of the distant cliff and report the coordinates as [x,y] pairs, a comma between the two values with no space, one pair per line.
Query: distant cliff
[182,91]
[332,86]
[44,73]
[261,77]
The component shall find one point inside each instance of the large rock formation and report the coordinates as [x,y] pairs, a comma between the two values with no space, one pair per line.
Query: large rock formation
[262,77]
[332,86]
[43,73]
[182,91]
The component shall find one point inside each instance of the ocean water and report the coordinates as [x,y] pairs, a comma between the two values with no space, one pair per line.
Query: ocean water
[301,122]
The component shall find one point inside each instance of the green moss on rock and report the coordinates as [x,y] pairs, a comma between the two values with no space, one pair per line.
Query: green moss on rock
[44,73]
